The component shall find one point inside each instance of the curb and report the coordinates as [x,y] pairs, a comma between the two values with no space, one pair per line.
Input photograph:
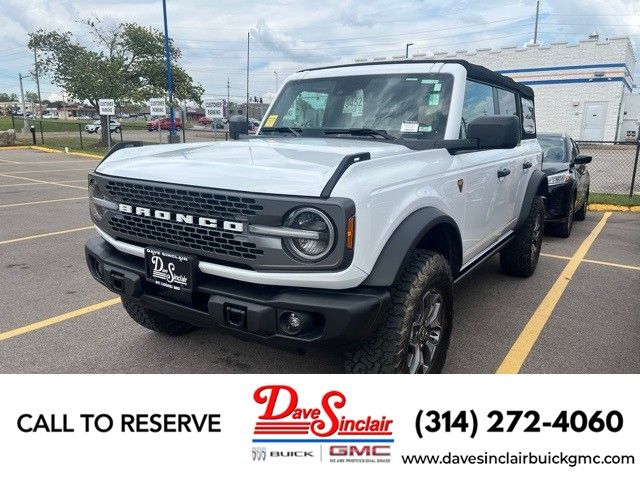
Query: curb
[50,150]
[605,207]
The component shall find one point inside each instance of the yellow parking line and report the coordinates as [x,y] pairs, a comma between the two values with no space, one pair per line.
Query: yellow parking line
[41,202]
[57,319]
[520,350]
[596,262]
[42,181]
[42,235]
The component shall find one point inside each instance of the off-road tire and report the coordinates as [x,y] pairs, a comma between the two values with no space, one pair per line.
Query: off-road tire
[581,214]
[158,322]
[386,350]
[518,258]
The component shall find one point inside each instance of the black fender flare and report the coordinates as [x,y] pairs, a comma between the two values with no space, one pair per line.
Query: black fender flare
[537,186]
[402,243]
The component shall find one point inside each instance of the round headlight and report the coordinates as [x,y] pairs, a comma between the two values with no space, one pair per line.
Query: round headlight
[318,243]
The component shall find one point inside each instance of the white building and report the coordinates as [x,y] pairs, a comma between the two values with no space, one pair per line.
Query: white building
[580,88]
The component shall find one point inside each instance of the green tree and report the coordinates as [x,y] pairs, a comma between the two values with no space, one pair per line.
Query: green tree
[124,62]
[8,97]
[31,98]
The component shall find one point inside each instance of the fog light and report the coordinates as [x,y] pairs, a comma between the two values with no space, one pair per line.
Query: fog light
[296,323]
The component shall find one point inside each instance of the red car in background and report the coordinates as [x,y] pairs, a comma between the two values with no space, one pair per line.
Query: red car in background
[163,124]
[205,121]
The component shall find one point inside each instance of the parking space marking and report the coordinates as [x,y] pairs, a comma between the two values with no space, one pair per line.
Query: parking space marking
[9,161]
[47,162]
[35,180]
[46,171]
[19,184]
[57,319]
[520,350]
[39,202]
[42,235]
[596,262]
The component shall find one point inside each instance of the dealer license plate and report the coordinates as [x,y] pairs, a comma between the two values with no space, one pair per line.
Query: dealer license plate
[171,270]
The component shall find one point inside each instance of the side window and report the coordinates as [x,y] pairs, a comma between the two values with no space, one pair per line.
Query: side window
[506,102]
[478,101]
[528,117]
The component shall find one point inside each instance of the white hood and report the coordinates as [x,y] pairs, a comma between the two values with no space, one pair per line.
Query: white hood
[283,165]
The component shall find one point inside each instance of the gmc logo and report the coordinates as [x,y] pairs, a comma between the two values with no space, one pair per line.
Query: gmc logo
[364,451]
[235,227]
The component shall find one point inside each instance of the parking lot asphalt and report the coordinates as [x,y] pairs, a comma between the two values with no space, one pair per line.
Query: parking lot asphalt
[579,313]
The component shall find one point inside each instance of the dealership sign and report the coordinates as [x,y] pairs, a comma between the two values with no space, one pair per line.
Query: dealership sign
[107,106]
[157,107]
[213,108]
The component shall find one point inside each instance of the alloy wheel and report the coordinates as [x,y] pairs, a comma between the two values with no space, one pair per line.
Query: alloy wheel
[426,332]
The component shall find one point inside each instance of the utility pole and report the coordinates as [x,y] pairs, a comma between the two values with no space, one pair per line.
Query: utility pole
[228,86]
[248,37]
[64,109]
[406,54]
[25,127]
[535,31]
[37,71]
[169,72]
[276,74]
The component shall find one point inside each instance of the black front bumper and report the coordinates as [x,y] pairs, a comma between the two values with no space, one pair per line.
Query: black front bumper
[341,317]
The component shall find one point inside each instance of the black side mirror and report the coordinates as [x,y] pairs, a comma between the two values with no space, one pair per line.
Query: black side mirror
[582,159]
[238,126]
[495,131]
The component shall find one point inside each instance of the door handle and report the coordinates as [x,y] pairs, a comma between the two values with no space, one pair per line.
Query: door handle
[526,165]
[503,172]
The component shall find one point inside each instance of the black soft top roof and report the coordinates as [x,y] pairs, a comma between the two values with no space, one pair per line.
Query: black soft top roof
[474,72]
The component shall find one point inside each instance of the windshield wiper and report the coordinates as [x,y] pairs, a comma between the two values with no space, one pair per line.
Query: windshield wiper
[295,130]
[360,131]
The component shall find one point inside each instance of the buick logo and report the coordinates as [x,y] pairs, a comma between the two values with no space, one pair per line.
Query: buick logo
[259,454]
[229,226]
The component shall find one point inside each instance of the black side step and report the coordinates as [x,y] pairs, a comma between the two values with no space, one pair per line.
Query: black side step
[344,164]
[495,249]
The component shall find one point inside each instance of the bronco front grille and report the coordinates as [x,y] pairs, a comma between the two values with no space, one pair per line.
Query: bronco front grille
[183,200]
[194,238]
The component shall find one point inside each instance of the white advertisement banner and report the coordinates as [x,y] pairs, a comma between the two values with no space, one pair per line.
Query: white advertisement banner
[329,426]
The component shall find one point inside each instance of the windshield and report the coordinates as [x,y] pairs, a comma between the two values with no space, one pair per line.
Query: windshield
[401,105]
[553,150]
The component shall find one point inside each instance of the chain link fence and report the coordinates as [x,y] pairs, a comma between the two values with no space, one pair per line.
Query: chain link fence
[614,168]
[82,135]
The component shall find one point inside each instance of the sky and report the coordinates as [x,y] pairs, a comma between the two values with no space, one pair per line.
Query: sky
[289,35]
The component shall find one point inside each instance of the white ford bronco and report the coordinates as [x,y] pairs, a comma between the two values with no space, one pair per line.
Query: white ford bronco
[366,193]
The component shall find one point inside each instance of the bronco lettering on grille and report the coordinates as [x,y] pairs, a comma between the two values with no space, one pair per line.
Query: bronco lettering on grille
[236,227]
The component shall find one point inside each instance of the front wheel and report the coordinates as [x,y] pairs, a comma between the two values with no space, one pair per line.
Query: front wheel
[413,337]
[520,257]
[581,214]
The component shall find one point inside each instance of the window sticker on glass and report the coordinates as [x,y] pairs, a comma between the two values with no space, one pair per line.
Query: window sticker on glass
[430,80]
[410,127]
[271,121]
[353,104]
[437,87]
[411,79]
[425,128]
[434,99]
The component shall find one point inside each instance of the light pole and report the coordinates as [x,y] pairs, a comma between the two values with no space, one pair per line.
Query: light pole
[169,72]
[406,54]
[248,40]
[276,74]
[25,125]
